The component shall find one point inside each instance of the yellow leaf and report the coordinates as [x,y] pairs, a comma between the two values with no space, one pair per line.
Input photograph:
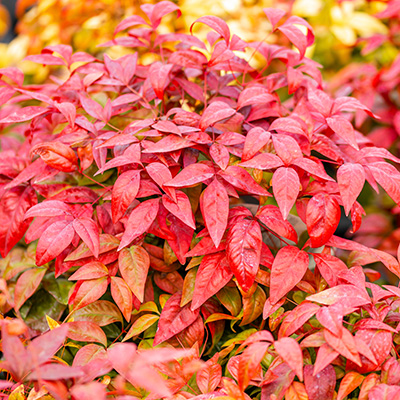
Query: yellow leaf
[52,323]
[17,394]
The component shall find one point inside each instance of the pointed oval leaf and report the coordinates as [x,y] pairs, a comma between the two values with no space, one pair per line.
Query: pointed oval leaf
[134,265]
[214,205]
[351,179]
[291,353]
[286,187]
[287,270]
[244,251]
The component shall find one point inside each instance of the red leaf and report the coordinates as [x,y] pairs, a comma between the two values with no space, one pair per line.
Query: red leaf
[274,15]
[209,377]
[88,292]
[46,345]
[68,110]
[88,231]
[322,218]
[291,353]
[26,285]
[271,217]
[244,251]
[285,185]
[344,345]
[295,35]
[45,59]
[351,178]
[136,367]
[168,144]
[214,273]
[384,392]
[321,386]
[388,177]
[354,296]
[313,168]
[159,77]
[219,26]
[182,208]
[297,318]
[129,22]
[220,155]
[350,382]
[124,191]
[57,155]
[49,208]
[325,356]
[215,112]
[214,205]
[286,148]
[91,270]
[53,241]
[343,128]
[329,266]
[139,221]
[89,391]
[263,161]
[249,363]
[55,372]
[14,204]
[192,175]
[134,265]
[375,255]
[85,331]
[25,114]
[122,296]
[93,108]
[160,10]
[174,319]
[331,318]
[242,180]
[256,139]
[287,270]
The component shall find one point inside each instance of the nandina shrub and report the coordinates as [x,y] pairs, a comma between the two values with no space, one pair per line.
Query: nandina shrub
[186,205]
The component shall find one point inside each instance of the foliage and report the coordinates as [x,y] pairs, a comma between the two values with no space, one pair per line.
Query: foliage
[180,220]
[339,25]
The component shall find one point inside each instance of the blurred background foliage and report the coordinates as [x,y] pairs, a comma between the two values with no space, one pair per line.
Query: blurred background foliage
[84,24]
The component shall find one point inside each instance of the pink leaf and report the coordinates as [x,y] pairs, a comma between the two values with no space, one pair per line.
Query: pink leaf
[244,251]
[181,208]
[214,205]
[219,26]
[88,231]
[343,128]
[242,180]
[351,179]
[321,386]
[214,113]
[159,77]
[139,221]
[174,319]
[322,218]
[214,273]
[287,270]
[271,217]
[124,191]
[53,241]
[291,353]
[285,185]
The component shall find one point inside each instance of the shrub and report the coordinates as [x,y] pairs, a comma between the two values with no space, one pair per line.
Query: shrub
[182,205]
